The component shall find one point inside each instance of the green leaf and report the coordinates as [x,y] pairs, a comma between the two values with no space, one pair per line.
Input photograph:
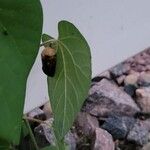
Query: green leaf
[24,130]
[69,87]
[46,40]
[20,34]
[46,37]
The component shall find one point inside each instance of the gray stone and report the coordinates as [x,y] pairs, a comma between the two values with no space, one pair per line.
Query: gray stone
[86,123]
[140,68]
[131,79]
[144,79]
[139,60]
[105,74]
[120,69]
[71,140]
[120,79]
[109,90]
[146,147]
[106,98]
[130,60]
[147,123]
[139,134]
[143,98]
[44,134]
[148,67]
[124,145]
[102,140]
[99,77]
[118,126]
[130,89]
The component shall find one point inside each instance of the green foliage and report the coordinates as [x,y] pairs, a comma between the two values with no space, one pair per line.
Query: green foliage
[20,33]
[69,87]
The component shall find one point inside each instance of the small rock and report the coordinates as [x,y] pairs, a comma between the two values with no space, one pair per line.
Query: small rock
[146,146]
[118,126]
[107,108]
[130,60]
[107,89]
[37,113]
[130,89]
[147,123]
[140,68]
[120,79]
[131,79]
[86,123]
[139,134]
[145,55]
[120,69]
[98,78]
[106,98]
[139,60]
[106,74]
[148,50]
[44,134]
[133,72]
[102,140]
[70,140]
[124,145]
[148,67]
[147,60]
[144,79]
[47,110]
[133,65]
[143,98]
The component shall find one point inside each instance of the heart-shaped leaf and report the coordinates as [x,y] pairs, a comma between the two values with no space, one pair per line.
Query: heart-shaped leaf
[20,33]
[69,87]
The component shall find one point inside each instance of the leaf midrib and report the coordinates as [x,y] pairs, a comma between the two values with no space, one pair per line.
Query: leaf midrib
[65,79]
[64,113]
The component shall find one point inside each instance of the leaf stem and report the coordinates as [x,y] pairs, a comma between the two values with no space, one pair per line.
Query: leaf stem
[31,135]
[34,120]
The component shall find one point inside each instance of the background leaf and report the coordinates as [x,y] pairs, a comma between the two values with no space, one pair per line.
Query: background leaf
[20,33]
[69,87]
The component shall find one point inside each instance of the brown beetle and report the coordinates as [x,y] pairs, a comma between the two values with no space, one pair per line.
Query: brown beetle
[48,56]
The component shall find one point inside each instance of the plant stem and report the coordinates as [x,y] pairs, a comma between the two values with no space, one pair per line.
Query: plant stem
[34,120]
[31,135]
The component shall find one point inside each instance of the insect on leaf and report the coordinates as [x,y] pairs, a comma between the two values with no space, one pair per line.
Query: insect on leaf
[69,87]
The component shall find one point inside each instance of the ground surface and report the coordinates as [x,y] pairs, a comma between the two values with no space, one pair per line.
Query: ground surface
[115,115]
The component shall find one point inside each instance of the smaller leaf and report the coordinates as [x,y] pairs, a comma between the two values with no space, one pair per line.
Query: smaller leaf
[45,38]
[24,129]
[69,87]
